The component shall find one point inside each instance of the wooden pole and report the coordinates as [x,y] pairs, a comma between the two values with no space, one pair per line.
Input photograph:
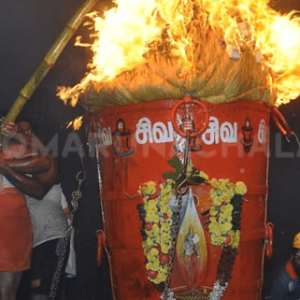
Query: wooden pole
[48,61]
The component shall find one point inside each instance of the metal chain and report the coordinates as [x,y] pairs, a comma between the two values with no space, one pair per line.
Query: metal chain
[76,195]
[167,293]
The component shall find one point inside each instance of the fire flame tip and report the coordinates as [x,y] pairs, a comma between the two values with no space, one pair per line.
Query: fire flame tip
[173,43]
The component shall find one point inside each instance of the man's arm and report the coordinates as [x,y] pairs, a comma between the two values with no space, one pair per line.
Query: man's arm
[30,165]
[36,186]
[48,178]
[10,131]
[24,184]
[18,160]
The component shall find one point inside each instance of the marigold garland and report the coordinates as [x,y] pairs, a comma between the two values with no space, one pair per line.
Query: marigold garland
[157,230]
[224,228]
[221,225]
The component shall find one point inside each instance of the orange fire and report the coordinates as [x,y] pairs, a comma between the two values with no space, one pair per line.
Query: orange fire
[220,51]
[76,123]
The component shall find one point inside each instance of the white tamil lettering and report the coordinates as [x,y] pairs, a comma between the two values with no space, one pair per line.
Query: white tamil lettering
[211,134]
[106,136]
[143,132]
[262,134]
[227,132]
[159,133]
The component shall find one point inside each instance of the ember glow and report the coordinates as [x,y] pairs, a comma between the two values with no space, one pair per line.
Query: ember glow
[220,51]
[76,123]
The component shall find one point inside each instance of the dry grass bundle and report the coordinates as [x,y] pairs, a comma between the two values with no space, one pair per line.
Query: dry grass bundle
[214,75]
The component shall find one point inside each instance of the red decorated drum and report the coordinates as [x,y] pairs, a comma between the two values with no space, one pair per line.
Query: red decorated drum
[184,198]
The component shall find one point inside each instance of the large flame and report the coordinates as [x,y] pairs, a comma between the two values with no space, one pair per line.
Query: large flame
[221,50]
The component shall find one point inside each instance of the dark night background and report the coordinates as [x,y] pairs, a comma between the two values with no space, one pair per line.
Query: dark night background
[28,30]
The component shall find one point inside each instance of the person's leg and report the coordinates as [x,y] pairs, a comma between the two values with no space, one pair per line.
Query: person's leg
[9,282]
[43,265]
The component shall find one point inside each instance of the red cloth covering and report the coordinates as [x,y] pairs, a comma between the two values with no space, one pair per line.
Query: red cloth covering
[290,270]
[16,236]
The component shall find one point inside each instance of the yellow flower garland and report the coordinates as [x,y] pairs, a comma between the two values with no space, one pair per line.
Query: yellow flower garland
[158,219]
[221,227]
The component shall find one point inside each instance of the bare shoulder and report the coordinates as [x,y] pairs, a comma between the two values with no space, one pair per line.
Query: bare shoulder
[18,151]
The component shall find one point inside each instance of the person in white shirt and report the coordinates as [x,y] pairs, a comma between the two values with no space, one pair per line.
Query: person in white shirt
[49,220]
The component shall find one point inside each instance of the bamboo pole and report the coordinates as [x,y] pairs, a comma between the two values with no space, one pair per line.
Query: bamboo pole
[48,61]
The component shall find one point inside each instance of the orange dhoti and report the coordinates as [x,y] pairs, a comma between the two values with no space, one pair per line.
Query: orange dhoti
[16,236]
